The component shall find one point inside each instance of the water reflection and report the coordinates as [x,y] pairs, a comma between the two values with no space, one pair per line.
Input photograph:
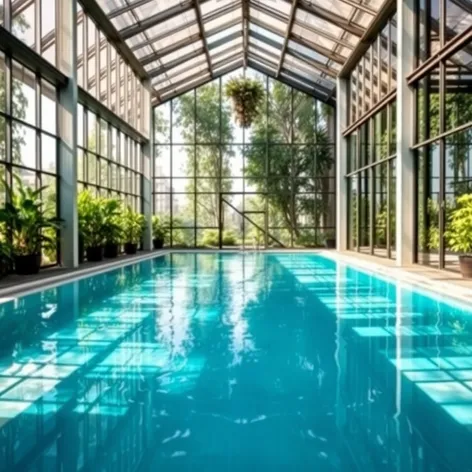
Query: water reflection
[232,362]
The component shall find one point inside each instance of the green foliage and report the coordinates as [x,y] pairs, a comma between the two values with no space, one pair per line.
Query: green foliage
[133,226]
[210,238]
[229,238]
[159,230]
[91,219]
[309,239]
[112,209]
[248,96]
[25,218]
[206,160]
[298,174]
[459,233]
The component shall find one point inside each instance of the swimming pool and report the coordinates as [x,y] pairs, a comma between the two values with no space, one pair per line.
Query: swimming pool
[235,362]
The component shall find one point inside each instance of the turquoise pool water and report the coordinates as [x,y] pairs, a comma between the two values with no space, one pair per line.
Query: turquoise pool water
[235,362]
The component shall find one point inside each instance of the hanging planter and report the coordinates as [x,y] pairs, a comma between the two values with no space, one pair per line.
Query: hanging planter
[247,96]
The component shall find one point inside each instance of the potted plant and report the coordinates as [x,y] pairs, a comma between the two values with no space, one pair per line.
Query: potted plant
[459,233]
[330,239]
[5,258]
[91,225]
[27,221]
[133,228]
[247,96]
[159,233]
[112,226]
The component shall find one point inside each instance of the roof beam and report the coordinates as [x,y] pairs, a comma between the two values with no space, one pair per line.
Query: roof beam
[192,78]
[178,29]
[96,13]
[175,63]
[186,41]
[312,92]
[322,68]
[204,81]
[287,35]
[245,30]
[128,7]
[198,64]
[154,20]
[332,18]
[387,9]
[290,73]
[202,33]
[360,6]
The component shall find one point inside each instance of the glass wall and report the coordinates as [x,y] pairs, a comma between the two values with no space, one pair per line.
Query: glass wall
[109,162]
[443,145]
[372,148]
[118,87]
[275,178]
[28,136]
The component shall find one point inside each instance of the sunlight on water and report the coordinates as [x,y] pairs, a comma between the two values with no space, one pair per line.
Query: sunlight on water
[235,362]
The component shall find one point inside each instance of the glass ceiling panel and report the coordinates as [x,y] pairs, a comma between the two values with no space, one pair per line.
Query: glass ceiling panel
[268,20]
[266,33]
[276,5]
[307,52]
[224,47]
[301,32]
[264,46]
[197,60]
[223,19]
[318,23]
[213,6]
[311,65]
[224,34]
[303,70]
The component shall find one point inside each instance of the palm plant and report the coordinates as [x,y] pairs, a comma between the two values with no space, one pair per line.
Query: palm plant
[133,228]
[30,228]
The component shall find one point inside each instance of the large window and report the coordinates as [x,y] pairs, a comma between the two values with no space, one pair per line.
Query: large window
[108,161]
[444,126]
[372,147]
[28,135]
[274,179]
[118,87]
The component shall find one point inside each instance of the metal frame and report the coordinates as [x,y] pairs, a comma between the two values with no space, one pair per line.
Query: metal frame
[170,193]
[328,69]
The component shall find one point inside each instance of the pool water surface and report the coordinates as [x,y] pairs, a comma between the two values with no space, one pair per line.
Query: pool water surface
[235,362]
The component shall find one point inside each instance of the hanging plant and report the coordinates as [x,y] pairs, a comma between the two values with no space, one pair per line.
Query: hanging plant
[247,96]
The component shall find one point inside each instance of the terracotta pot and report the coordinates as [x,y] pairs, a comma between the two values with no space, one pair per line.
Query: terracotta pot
[27,265]
[465,263]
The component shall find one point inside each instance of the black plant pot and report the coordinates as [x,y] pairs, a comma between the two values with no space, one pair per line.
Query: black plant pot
[158,243]
[94,254]
[111,250]
[27,265]
[131,248]
[330,243]
[81,250]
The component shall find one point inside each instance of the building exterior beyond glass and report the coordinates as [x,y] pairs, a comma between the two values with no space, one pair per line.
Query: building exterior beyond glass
[364,135]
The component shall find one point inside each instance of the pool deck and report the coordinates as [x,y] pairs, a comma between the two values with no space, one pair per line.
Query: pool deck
[444,282]
[22,284]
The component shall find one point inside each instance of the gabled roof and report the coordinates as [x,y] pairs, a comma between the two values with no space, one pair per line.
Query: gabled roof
[184,43]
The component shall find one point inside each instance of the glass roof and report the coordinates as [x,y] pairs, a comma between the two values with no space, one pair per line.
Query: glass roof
[183,43]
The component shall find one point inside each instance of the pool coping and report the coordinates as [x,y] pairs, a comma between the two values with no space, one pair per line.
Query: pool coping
[402,275]
[405,276]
